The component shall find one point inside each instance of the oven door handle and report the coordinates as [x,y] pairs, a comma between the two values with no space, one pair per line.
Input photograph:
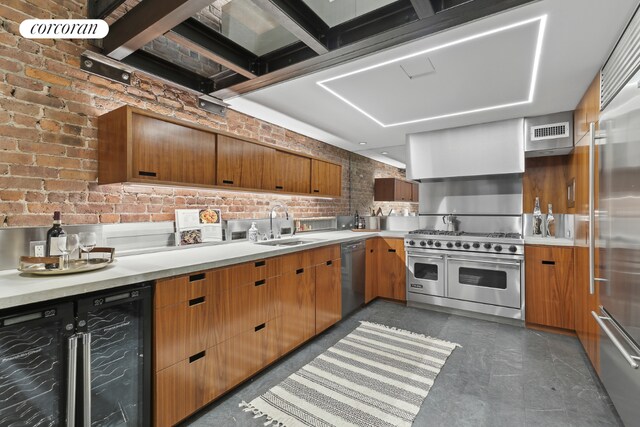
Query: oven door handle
[441,257]
[512,264]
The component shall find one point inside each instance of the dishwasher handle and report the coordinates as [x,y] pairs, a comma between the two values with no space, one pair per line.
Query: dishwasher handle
[352,247]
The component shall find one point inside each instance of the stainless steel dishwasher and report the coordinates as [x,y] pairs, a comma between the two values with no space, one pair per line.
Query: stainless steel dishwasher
[353,267]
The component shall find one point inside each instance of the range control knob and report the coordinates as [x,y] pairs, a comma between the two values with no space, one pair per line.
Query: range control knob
[430,242]
[513,249]
[487,245]
[449,245]
[423,243]
[411,242]
[458,244]
[438,244]
[497,248]
[466,246]
[476,245]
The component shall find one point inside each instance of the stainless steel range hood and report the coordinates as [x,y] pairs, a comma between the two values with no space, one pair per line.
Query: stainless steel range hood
[486,149]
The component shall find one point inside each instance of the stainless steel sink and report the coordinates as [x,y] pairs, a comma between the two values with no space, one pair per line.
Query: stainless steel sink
[288,242]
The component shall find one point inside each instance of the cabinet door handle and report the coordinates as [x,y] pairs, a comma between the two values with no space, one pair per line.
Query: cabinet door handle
[197,356]
[260,282]
[260,263]
[549,262]
[300,271]
[146,173]
[316,191]
[392,251]
[257,328]
[329,262]
[196,277]
[227,181]
[196,301]
[279,187]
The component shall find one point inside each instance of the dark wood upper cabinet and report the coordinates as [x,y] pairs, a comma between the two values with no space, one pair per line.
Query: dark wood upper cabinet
[395,190]
[326,178]
[293,173]
[139,147]
[244,164]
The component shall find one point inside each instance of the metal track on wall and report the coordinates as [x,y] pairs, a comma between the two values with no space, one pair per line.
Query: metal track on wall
[623,63]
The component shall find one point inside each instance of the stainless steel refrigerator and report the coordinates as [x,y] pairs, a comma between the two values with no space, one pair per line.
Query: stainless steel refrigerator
[618,242]
[83,362]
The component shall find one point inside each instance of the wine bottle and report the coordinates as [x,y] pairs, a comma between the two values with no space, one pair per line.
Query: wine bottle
[53,234]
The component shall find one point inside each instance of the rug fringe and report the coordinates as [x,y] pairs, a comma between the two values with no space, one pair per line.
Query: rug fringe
[248,407]
[393,328]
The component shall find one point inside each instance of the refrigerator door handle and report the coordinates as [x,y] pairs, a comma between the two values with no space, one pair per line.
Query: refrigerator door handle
[72,370]
[86,378]
[592,208]
[628,357]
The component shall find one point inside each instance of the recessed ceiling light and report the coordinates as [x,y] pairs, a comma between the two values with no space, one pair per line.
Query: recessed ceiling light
[383,152]
[534,74]
[362,143]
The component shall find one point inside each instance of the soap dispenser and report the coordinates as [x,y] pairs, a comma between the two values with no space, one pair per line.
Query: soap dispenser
[253,233]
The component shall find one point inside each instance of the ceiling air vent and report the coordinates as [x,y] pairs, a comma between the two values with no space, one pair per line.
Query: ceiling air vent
[551,131]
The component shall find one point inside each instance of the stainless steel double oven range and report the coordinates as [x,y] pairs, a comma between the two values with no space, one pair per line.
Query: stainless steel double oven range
[480,272]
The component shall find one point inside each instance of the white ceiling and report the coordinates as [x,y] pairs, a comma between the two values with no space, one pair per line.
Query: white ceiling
[471,73]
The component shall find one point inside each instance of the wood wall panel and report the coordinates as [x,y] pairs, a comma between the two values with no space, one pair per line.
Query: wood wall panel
[546,178]
[586,327]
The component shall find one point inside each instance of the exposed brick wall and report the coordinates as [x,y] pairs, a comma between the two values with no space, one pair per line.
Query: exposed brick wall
[48,138]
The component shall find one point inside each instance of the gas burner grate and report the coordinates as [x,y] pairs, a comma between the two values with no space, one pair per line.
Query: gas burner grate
[437,232]
[505,235]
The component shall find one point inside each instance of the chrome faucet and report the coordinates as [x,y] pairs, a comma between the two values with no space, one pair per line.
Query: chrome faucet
[286,212]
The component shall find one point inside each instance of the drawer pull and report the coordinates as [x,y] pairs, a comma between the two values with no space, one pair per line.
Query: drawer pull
[227,181]
[392,251]
[197,356]
[260,263]
[145,173]
[329,262]
[261,282]
[196,277]
[300,271]
[196,301]
[279,187]
[549,262]
[257,328]
[316,191]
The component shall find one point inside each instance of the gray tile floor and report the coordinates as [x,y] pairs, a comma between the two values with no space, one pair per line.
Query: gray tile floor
[502,376]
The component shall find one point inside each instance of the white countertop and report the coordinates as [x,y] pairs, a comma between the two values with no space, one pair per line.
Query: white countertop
[19,289]
[548,241]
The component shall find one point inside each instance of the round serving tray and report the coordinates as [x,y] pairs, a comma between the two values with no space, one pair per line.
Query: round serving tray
[75,266]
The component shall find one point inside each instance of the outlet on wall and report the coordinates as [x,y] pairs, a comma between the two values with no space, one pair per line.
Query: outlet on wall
[37,248]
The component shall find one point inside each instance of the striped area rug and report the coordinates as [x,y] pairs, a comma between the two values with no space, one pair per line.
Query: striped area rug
[376,376]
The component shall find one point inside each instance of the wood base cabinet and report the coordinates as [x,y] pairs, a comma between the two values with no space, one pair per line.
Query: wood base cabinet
[385,269]
[328,294]
[297,301]
[215,329]
[549,286]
